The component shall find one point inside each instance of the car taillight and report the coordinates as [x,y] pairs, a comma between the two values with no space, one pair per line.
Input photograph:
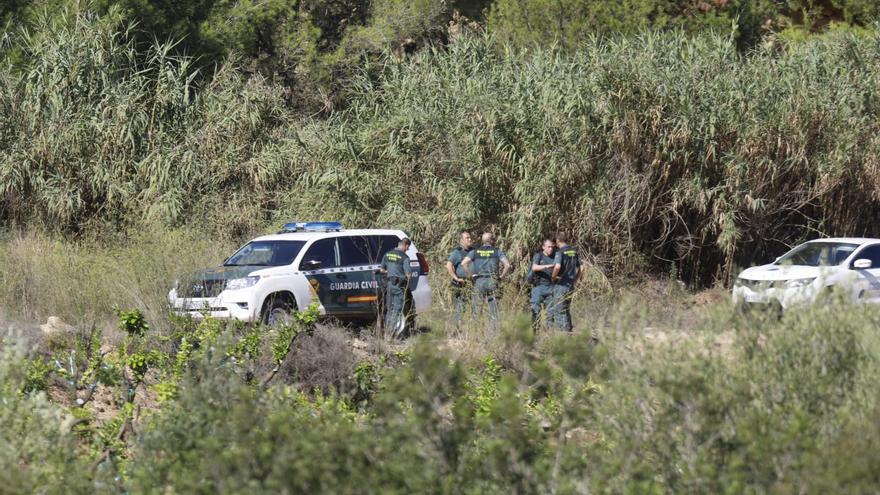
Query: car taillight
[423,262]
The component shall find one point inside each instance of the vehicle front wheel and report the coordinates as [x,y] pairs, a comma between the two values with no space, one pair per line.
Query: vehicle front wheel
[278,312]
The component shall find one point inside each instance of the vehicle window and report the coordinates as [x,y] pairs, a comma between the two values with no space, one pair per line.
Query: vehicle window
[871,253]
[323,250]
[382,244]
[818,254]
[355,251]
[266,253]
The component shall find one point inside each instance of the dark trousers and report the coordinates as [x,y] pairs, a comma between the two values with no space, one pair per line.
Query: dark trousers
[394,299]
[541,298]
[561,307]
[461,294]
[484,291]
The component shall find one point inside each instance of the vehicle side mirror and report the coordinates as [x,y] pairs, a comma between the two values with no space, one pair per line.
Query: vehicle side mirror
[861,263]
[777,259]
[311,265]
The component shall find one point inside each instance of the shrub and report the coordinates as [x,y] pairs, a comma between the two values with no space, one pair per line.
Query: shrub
[321,361]
[38,453]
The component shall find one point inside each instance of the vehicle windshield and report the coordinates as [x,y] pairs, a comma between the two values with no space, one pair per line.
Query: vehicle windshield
[266,253]
[818,254]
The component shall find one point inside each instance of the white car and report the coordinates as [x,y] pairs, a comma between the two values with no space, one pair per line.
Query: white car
[273,275]
[811,270]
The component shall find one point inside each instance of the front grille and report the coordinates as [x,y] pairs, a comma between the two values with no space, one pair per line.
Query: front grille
[203,288]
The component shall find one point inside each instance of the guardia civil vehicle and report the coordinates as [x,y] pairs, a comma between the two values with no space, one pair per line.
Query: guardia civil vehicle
[811,271]
[271,276]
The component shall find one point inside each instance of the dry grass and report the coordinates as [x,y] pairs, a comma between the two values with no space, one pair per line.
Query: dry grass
[83,281]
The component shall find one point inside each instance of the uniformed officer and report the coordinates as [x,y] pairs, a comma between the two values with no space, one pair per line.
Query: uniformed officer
[566,270]
[481,264]
[461,286]
[395,266]
[540,275]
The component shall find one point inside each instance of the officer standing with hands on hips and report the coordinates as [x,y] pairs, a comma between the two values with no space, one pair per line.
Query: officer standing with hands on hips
[566,270]
[395,266]
[461,286]
[540,274]
[481,264]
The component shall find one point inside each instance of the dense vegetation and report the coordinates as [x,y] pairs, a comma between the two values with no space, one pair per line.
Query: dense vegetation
[730,405]
[143,139]
[663,151]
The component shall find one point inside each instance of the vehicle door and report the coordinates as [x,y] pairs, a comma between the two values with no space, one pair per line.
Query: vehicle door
[868,281]
[320,265]
[378,246]
[356,280]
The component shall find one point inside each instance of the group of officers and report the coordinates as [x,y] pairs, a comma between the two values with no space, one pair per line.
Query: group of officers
[475,273]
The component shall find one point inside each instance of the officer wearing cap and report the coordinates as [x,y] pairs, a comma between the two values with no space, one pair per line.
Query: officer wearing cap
[481,264]
[395,266]
[540,274]
[461,287]
[566,270]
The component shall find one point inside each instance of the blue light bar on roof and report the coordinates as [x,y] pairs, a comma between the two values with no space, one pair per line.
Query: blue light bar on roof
[323,226]
[310,227]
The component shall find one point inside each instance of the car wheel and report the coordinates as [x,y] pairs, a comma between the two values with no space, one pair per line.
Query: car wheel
[279,312]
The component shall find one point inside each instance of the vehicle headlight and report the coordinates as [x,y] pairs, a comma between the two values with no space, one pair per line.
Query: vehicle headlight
[799,282]
[241,283]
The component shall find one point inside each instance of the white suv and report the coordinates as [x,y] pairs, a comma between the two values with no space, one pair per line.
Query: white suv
[809,272]
[273,275]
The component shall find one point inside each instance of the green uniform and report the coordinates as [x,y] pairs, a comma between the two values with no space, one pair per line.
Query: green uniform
[397,271]
[485,262]
[460,291]
[568,260]
[542,288]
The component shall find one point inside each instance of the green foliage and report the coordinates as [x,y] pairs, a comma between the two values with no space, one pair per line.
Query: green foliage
[648,149]
[167,390]
[400,25]
[281,342]
[731,404]
[133,322]
[38,371]
[249,345]
[484,389]
[140,362]
[661,145]
[569,22]
[38,453]
[303,321]
[367,379]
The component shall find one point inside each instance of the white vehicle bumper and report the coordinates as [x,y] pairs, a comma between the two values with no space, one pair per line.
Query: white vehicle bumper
[784,297]
[229,305]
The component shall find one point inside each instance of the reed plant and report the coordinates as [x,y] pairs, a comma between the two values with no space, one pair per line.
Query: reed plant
[664,151]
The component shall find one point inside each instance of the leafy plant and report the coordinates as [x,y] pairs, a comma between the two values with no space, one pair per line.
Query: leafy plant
[38,370]
[133,322]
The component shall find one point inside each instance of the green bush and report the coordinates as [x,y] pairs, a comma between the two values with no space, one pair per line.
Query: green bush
[726,403]
[38,452]
[754,417]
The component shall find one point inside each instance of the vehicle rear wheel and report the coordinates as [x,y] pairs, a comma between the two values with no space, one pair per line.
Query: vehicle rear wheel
[278,312]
